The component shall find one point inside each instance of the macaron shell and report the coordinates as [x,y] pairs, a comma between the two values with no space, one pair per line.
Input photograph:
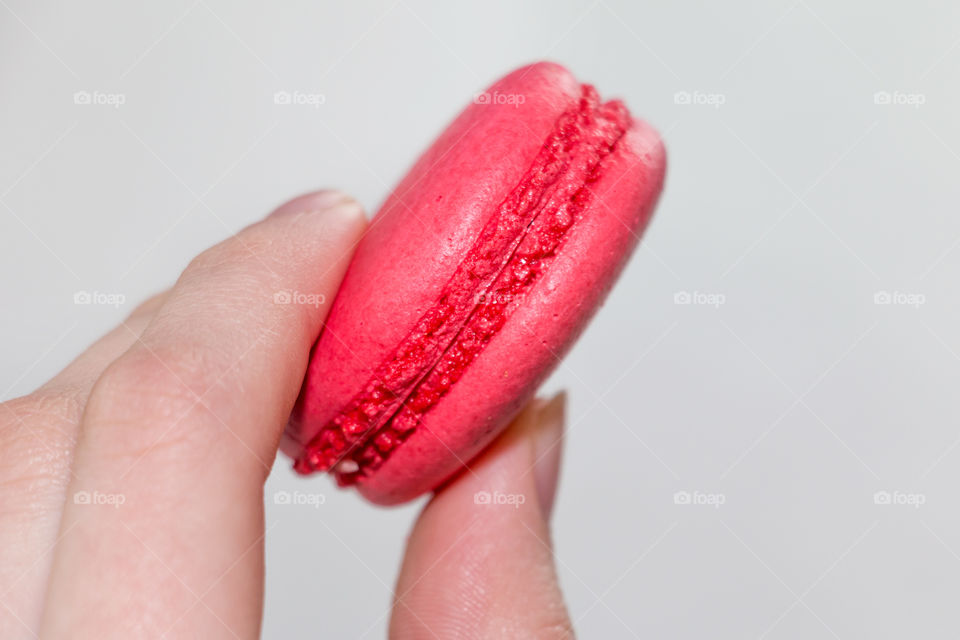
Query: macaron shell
[418,238]
[539,331]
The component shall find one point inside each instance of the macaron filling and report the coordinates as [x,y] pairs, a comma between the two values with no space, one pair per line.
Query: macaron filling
[516,244]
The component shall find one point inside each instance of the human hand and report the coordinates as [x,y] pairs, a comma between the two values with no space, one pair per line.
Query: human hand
[177,415]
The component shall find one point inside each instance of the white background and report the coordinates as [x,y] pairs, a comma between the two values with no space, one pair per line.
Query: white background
[797,199]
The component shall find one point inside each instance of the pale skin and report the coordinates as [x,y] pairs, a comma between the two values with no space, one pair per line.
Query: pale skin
[180,410]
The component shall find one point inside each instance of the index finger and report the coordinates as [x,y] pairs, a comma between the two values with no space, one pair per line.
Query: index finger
[163,525]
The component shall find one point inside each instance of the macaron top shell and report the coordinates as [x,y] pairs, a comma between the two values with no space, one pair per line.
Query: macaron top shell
[479,271]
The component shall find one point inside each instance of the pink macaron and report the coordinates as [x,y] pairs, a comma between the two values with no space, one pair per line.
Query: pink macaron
[474,279]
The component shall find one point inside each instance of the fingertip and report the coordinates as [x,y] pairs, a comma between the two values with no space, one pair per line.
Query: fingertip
[333,219]
[326,200]
[484,539]
[547,438]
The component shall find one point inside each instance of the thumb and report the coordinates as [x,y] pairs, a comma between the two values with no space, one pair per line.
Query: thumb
[479,562]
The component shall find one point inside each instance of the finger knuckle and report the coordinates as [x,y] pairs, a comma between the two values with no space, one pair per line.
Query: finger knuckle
[53,407]
[45,415]
[245,266]
[153,402]
[249,245]
[36,437]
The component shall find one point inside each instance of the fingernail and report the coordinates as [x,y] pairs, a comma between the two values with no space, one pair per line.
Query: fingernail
[548,450]
[314,203]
